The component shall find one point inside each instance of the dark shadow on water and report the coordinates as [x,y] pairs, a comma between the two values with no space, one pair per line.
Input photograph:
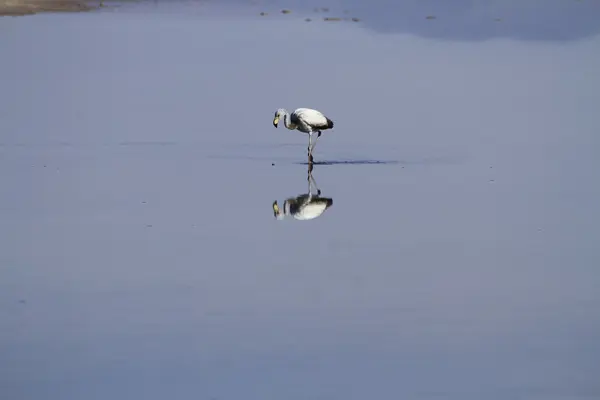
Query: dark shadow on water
[350,162]
[305,206]
[284,160]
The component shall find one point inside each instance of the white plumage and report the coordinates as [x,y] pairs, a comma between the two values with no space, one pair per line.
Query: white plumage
[304,120]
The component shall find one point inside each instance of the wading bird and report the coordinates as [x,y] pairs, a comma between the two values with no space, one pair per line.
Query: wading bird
[305,120]
[306,206]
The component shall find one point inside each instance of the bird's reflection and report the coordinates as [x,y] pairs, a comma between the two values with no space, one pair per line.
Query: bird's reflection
[305,206]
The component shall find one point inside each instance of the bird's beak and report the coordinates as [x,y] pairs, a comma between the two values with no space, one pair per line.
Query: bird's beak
[275,121]
[275,209]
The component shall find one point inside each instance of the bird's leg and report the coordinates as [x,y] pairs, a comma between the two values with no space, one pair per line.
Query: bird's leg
[310,148]
[315,142]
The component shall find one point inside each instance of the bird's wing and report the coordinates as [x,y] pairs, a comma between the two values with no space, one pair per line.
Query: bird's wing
[310,211]
[310,116]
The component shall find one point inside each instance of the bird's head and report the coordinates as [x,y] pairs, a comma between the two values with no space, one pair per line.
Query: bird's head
[277,212]
[278,115]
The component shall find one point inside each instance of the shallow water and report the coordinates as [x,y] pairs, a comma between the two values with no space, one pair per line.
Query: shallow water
[139,254]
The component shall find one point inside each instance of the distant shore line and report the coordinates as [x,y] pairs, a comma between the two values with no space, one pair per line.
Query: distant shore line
[17,8]
[29,7]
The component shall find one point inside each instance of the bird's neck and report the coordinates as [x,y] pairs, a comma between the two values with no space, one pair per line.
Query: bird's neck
[286,120]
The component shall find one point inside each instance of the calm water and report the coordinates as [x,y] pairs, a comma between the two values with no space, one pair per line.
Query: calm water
[139,255]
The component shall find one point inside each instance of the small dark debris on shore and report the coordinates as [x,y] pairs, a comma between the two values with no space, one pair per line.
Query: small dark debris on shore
[497,19]
[272,164]
[325,9]
[430,17]
[308,19]
[332,19]
[264,13]
[285,11]
[355,19]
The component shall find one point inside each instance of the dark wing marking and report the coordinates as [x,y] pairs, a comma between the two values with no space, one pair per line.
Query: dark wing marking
[327,125]
[294,119]
[327,201]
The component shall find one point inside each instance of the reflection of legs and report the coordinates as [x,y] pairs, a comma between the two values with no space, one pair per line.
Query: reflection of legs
[312,183]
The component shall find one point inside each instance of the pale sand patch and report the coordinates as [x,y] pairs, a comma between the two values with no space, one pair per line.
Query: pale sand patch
[27,7]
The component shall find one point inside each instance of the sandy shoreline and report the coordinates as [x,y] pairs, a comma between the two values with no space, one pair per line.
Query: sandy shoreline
[28,7]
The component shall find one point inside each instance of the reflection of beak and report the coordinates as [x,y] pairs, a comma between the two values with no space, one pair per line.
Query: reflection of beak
[275,209]
[275,121]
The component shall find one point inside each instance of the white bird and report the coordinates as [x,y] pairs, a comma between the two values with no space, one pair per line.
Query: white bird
[305,120]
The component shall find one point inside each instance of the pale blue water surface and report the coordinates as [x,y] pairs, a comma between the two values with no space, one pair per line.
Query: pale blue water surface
[139,255]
